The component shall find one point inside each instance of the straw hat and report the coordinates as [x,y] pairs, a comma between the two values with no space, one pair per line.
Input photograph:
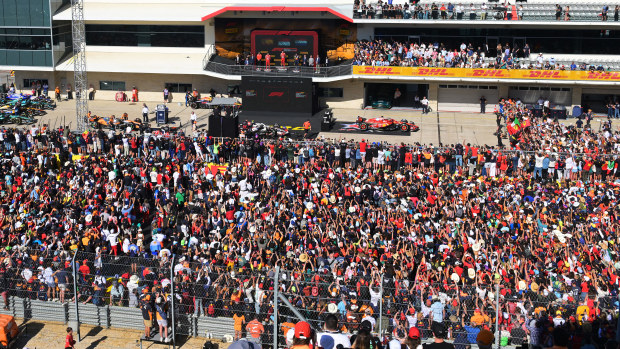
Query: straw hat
[535,286]
[471,273]
[332,308]
[455,277]
[522,285]
[304,257]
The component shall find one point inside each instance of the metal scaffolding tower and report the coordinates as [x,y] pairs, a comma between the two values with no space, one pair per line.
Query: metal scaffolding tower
[79,64]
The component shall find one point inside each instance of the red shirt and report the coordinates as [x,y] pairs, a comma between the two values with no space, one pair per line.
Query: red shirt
[84,269]
[69,342]
[363,147]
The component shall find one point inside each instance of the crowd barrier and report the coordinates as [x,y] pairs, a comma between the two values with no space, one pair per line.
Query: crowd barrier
[204,298]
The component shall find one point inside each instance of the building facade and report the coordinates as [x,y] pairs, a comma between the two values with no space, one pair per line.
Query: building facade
[194,44]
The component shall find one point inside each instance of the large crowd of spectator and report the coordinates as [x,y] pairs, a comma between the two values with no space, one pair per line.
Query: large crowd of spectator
[436,10]
[435,54]
[467,11]
[420,234]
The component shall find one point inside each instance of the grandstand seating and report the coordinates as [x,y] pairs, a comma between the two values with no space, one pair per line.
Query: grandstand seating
[534,11]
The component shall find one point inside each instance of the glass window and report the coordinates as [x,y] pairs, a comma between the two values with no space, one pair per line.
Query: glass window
[23,13]
[112,85]
[25,58]
[178,87]
[12,57]
[145,35]
[331,92]
[10,12]
[30,82]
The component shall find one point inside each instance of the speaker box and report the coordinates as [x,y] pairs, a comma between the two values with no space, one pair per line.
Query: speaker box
[220,126]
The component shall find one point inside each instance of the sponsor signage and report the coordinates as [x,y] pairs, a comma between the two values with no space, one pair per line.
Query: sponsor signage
[487,73]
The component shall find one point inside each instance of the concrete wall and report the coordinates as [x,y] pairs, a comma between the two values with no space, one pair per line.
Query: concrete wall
[352,98]
[149,85]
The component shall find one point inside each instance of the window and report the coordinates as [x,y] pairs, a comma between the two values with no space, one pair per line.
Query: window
[178,87]
[112,85]
[29,82]
[145,35]
[331,92]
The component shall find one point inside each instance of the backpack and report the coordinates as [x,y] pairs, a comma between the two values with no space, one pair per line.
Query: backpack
[211,345]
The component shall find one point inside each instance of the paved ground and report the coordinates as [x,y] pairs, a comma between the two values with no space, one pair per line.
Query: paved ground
[43,335]
[444,127]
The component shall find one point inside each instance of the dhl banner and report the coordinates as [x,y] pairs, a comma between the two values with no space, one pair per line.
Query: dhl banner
[487,73]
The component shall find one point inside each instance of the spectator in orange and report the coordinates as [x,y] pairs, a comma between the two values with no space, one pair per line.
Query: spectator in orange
[479,318]
[239,321]
[255,330]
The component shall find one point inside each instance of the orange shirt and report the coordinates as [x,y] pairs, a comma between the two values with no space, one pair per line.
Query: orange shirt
[239,320]
[255,328]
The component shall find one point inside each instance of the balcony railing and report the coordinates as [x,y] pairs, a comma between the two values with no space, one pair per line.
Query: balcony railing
[252,70]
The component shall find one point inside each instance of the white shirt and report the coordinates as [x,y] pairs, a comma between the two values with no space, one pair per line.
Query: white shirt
[339,338]
[370,319]
[145,110]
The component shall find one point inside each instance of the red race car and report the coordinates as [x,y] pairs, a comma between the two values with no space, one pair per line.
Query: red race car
[386,124]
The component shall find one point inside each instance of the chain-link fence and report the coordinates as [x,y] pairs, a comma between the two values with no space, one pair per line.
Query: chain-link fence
[228,301]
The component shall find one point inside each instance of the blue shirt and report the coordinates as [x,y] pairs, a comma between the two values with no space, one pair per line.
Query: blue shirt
[437,310]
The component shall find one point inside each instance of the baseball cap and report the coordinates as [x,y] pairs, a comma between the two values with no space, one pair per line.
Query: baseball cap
[439,330]
[302,330]
[414,333]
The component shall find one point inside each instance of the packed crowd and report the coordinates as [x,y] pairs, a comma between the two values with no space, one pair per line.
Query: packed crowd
[435,11]
[419,234]
[409,54]
[462,11]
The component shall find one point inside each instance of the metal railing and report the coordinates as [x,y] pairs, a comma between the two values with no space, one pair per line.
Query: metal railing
[253,70]
[210,52]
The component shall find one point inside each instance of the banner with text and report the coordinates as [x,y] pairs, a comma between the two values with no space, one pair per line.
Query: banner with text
[487,73]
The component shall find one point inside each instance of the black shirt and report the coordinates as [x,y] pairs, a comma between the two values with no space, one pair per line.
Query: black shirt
[443,345]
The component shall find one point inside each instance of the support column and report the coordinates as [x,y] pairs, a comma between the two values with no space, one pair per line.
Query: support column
[209,32]
[576,92]
[502,91]
[433,95]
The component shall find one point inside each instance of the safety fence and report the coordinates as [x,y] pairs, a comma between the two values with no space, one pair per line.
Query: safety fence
[208,300]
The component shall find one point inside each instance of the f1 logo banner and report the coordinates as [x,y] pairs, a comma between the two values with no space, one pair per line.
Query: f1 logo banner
[276,94]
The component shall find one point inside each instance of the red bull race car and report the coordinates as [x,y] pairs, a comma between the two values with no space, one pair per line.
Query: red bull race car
[386,124]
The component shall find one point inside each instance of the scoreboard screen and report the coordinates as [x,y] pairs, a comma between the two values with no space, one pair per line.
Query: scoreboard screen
[291,42]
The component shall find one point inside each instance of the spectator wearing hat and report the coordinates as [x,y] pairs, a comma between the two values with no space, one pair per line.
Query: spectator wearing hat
[147,312]
[485,339]
[303,336]
[331,329]
[414,339]
[440,333]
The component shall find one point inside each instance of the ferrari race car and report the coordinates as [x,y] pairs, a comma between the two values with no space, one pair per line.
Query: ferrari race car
[386,124]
